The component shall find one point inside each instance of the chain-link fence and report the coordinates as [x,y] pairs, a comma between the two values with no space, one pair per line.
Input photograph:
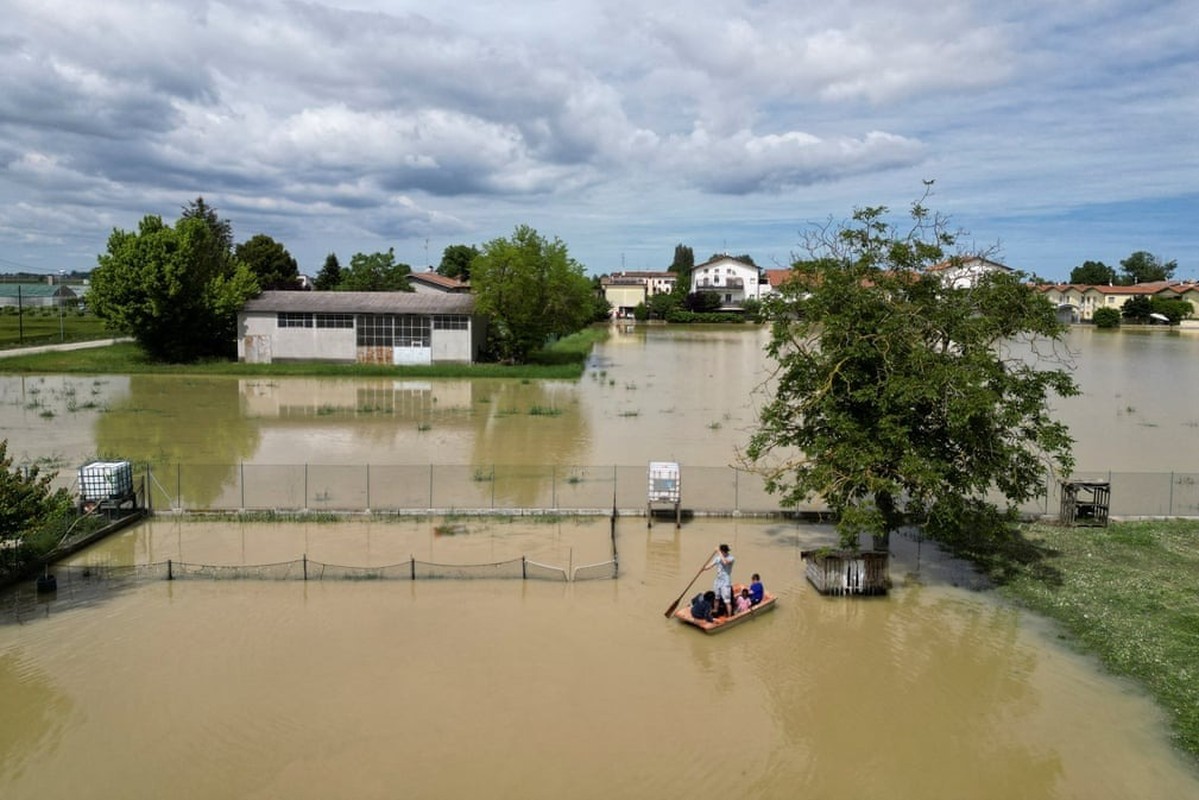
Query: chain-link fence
[445,488]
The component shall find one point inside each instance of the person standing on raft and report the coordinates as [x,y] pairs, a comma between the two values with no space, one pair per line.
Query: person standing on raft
[723,560]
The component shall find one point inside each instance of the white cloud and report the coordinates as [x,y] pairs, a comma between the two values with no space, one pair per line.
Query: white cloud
[405,120]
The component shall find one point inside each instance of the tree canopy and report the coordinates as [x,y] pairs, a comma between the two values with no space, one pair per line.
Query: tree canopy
[456,260]
[273,267]
[1143,267]
[375,272]
[175,290]
[900,398]
[330,275]
[530,289]
[1093,273]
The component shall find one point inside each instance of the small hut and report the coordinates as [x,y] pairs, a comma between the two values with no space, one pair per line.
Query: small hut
[1085,503]
[846,572]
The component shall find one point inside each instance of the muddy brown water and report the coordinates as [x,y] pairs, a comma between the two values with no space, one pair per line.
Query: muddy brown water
[504,688]
[508,688]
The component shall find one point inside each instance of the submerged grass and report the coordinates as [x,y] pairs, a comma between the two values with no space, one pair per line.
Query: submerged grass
[562,360]
[1126,593]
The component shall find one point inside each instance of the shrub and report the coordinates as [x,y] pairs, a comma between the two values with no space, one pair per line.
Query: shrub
[1106,318]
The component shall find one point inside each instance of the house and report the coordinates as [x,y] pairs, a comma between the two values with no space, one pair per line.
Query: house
[624,291]
[732,279]
[360,327]
[1077,302]
[774,279]
[962,273]
[432,282]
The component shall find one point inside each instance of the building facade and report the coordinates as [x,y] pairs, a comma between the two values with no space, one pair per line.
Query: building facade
[734,281]
[400,328]
[624,291]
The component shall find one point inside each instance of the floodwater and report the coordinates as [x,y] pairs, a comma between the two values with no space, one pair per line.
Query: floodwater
[537,689]
[509,688]
[651,393]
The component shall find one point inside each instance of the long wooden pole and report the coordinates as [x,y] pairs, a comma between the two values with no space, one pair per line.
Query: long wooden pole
[679,599]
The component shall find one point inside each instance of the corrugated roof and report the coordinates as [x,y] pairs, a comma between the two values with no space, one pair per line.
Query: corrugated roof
[362,303]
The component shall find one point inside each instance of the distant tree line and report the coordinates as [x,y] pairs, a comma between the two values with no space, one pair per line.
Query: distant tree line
[1140,267]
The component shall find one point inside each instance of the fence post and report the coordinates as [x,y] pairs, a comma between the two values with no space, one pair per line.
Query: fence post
[149,488]
[305,566]
[412,567]
[368,487]
[305,487]
[524,570]
[170,571]
[243,485]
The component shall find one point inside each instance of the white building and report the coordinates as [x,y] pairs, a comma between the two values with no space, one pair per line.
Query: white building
[360,327]
[733,280]
[962,273]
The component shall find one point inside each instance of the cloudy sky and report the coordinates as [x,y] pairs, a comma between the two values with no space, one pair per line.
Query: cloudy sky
[1057,131]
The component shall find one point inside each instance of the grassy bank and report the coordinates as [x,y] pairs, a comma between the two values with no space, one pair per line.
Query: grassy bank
[563,360]
[47,326]
[1126,593]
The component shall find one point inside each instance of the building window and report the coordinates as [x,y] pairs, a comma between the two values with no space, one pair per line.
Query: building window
[449,322]
[391,330]
[294,319]
[334,320]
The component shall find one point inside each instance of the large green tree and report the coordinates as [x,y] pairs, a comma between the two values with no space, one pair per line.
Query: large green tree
[273,267]
[1093,273]
[900,399]
[530,289]
[175,290]
[1144,267]
[375,272]
[330,275]
[456,260]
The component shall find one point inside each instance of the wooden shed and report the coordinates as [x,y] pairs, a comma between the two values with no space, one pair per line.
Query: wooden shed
[1085,503]
[846,572]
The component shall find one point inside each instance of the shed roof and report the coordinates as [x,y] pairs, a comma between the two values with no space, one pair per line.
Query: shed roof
[362,303]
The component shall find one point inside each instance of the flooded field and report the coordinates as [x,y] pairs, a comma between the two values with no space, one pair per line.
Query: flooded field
[541,688]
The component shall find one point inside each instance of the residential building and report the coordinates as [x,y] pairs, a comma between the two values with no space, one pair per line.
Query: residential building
[961,273]
[360,327]
[624,291]
[1078,302]
[732,279]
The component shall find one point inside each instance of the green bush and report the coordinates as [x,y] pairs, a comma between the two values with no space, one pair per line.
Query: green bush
[1106,318]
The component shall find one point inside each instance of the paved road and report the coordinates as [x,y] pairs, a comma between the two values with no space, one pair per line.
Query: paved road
[51,348]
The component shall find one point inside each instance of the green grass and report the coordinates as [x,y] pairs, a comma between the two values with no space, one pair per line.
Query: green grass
[1126,593]
[128,359]
[44,326]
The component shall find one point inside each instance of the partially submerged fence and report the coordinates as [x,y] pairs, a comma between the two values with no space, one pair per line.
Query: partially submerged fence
[443,488]
[518,488]
[306,569]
